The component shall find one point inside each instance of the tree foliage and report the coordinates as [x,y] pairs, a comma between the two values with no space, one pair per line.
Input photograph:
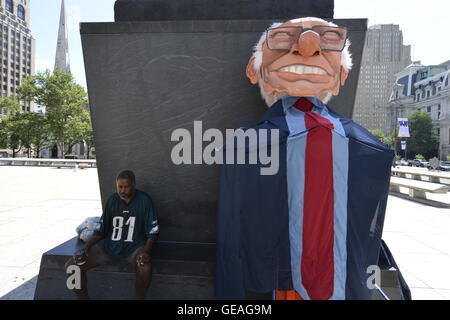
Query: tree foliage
[9,104]
[423,138]
[387,140]
[66,102]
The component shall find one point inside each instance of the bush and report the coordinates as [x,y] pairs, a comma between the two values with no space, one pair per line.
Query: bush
[420,157]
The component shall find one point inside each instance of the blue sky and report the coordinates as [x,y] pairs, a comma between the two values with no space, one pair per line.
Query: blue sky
[425,25]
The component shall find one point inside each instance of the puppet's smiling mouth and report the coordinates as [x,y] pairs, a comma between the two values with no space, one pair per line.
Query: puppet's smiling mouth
[302,69]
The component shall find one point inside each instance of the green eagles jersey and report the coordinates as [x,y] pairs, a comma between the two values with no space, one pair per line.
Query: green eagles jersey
[125,228]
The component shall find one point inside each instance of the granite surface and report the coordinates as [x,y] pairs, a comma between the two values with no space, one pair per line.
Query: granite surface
[158,10]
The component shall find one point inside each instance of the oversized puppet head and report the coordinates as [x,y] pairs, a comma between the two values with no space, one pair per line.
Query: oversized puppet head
[306,57]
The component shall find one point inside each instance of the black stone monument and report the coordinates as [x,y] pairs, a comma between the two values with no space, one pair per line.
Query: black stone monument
[163,65]
[176,10]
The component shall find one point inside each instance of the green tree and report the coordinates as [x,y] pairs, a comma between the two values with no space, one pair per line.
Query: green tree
[87,136]
[3,135]
[420,157]
[36,136]
[66,106]
[14,132]
[423,138]
[378,134]
[9,104]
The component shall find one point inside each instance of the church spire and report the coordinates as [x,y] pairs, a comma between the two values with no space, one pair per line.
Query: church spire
[62,61]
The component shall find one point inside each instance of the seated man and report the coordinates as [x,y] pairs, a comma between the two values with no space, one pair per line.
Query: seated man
[129,227]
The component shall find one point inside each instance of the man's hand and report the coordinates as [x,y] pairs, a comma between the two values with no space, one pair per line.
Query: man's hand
[142,258]
[80,256]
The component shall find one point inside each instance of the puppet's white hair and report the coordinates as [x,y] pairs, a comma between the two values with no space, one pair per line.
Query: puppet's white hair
[346,58]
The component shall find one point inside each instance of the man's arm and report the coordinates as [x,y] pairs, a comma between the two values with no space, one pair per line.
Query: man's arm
[94,239]
[148,246]
[152,232]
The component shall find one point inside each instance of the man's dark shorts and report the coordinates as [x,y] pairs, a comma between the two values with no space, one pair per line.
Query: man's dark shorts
[102,258]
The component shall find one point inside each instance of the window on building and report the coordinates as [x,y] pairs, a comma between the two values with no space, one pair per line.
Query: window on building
[428,109]
[21,12]
[9,6]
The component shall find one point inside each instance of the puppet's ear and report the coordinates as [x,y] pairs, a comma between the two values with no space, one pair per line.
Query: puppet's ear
[344,76]
[251,73]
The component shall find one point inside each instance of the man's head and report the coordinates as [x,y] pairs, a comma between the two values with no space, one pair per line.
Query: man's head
[291,61]
[126,184]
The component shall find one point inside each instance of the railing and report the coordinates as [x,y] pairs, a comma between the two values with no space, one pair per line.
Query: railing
[48,162]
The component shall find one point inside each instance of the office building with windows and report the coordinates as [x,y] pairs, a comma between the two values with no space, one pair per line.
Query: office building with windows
[427,89]
[17,47]
[384,56]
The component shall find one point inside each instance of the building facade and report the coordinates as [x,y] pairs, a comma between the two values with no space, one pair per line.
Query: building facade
[17,48]
[424,88]
[384,56]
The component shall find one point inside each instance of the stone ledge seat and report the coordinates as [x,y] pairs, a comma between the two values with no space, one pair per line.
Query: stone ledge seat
[418,190]
[181,271]
[434,177]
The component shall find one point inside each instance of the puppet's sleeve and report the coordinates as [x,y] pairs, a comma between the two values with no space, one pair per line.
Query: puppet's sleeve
[229,273]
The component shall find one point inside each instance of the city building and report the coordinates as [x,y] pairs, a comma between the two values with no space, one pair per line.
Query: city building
[17,48]
[424,88]
[384,55]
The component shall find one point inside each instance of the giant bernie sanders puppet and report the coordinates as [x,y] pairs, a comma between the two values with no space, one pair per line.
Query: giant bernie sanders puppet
[312,230]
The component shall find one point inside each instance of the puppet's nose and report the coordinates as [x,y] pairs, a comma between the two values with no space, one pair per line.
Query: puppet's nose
[308,44]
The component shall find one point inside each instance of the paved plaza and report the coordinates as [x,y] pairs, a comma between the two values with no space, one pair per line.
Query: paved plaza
[41,207]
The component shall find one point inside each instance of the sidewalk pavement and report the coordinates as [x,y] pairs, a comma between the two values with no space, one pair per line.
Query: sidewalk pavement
[41,207]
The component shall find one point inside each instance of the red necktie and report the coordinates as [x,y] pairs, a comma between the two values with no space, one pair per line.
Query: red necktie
[317,267]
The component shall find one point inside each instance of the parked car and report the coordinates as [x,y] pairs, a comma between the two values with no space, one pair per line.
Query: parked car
[414,163]
[424,164]
[445,166]
[418,163]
